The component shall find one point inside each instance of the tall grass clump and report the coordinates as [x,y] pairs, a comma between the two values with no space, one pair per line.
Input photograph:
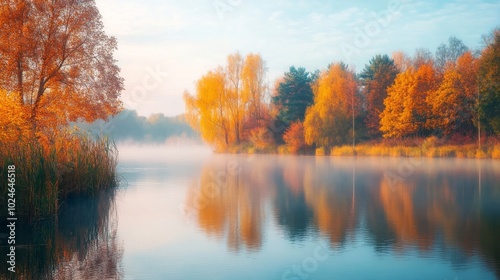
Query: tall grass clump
[343,151]
[36,183]
[429,147]
[86,164]
[47,172]
[320,151]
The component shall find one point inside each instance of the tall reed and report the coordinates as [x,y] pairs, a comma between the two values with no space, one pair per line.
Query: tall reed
[48,172]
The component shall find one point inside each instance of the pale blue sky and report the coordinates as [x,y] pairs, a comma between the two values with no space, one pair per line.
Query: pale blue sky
[188,38]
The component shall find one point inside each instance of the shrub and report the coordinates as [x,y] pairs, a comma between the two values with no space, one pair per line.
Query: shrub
[343,151]
[294,137]
[282,150]
[320,151]
[261,138]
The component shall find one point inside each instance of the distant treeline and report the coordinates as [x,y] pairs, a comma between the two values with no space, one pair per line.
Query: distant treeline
[129,126]
[452,95]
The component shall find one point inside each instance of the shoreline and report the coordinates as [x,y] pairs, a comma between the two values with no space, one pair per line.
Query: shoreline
[466,151]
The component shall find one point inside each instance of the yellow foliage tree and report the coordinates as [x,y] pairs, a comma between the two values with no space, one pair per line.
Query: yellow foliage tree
[254,87]
[446,102]
[225,98]
[328,121]
[236,98]
[208,112]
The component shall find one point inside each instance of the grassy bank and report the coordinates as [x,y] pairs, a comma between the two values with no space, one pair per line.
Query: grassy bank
[71,164]
[430,147]
[449,151]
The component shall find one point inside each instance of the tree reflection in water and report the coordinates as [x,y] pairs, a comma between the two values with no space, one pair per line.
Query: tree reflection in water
[441,209]
[81,243]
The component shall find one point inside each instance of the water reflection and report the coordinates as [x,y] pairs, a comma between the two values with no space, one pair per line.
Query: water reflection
[81,243]
[443,209]
[228,206]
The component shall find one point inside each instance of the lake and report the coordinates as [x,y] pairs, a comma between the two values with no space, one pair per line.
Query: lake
[204,216]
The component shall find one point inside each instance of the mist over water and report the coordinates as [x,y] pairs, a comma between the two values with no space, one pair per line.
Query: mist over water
[168,152]
[188,213]
[184,212]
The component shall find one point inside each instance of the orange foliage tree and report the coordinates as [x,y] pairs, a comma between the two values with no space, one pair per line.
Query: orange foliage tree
[406,109]
[13,125]
[453,103]
[57,62]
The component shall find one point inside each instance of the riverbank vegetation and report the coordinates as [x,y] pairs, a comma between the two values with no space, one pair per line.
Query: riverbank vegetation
[74,164]
[430,147]
[442,104]
[57,67]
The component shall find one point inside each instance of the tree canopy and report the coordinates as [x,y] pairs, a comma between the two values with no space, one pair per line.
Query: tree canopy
[57,62]
[489,82]
[228,101]
[329,119]
[452,93]
[294,95]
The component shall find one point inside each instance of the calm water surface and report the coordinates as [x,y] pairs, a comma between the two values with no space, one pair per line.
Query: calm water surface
[284,217]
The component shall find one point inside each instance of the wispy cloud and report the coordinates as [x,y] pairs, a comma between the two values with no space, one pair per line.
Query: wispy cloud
[187,38]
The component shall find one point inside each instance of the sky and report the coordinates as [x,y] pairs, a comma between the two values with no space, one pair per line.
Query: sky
[165,46]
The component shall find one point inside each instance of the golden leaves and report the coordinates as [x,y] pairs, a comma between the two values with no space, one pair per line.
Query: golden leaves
[406,109]
[13,124]
[335,101]
[227,99]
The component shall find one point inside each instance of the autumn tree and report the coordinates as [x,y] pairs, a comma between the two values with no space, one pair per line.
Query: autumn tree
[208,111]
[225,98]
[329,121]
[406,109]
[454,102]
[58,62]
[395,119]
[489,83]
[376,77]
[446,103]
[236,98]
[254,86]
